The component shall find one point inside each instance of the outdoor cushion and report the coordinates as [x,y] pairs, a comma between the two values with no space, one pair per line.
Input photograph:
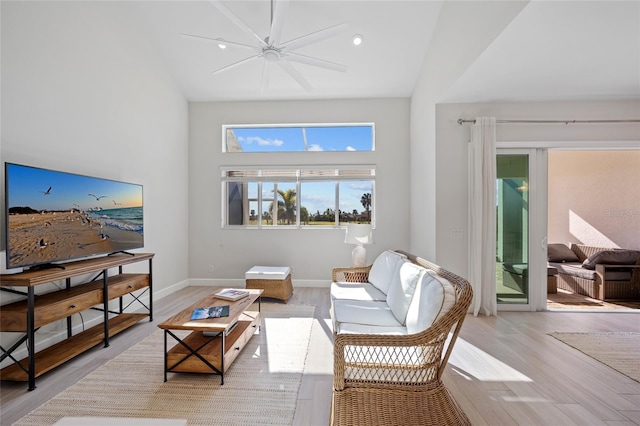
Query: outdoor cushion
[516,268]
[575,269]
[560,253]
[364,312]
[402,288]
[612,257]
[383,269]
[356,291]
[434,297]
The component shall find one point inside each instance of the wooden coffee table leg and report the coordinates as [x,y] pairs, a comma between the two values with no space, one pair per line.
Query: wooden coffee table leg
[194,352]
[222,359]
[166,360]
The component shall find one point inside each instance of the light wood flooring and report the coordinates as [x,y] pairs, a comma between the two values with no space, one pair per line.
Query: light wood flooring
[505,370]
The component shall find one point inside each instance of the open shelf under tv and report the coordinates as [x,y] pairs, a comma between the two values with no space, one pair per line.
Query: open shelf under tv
[26,316]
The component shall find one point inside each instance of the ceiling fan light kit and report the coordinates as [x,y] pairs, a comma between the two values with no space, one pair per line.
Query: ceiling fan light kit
[272,50]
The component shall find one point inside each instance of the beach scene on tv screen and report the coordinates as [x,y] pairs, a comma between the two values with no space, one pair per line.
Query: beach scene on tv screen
[55,216]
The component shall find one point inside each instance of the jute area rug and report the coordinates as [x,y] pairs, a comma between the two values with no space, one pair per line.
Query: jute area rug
[618,350]
[260,387]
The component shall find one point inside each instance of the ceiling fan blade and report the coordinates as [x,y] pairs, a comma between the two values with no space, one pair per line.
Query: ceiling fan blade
[314,37]
[277,23]
[220,40]
[235,64]
[237,21]
[264,82]
[304,59]
[294,73]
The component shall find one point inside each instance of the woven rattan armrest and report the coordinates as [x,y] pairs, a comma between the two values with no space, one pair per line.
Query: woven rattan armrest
[428,343]
[601,268]
[351,274]
[601,271]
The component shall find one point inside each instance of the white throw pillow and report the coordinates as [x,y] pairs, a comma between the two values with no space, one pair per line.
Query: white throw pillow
[403,286]
[434,297]
[382,270]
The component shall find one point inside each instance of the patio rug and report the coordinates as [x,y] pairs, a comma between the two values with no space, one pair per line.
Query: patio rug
[618,350]
[261,387]
[566,300]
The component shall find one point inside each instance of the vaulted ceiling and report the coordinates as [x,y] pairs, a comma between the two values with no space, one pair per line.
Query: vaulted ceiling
[550,50]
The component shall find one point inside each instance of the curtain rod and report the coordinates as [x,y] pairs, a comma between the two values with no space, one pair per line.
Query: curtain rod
[461,121]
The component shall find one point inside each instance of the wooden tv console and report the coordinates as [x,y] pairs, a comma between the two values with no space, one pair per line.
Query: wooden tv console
[28,315]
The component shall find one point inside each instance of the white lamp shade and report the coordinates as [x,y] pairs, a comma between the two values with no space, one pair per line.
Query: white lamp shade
[358,234]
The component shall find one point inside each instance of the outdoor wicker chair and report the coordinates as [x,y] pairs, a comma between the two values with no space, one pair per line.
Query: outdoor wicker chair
[397,379]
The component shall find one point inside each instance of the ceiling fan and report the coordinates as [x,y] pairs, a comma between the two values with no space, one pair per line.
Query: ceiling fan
[272,50]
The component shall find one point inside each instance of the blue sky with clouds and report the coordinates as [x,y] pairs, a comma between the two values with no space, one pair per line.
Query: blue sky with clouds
[321,138]
[43,189]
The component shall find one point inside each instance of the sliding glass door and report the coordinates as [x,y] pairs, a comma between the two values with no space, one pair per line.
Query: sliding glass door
[519,240]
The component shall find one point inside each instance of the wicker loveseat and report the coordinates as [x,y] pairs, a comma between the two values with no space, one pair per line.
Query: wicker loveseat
[598,272]
[388,370]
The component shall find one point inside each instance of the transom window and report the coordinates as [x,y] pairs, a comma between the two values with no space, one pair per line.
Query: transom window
[298,138]
[298,197]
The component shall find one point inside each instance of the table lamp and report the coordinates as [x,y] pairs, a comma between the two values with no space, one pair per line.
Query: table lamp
[359,234]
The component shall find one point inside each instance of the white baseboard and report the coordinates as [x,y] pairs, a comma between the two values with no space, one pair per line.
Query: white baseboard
[159,294]
[240,283]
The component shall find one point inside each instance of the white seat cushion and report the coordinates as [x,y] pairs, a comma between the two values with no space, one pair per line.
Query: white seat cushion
[403,285]
[363,312]
[383,268]
[356,291]
[268,273]
[349,328]
[434,297]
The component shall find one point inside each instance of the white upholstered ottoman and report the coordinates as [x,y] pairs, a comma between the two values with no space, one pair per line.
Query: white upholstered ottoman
[274,280]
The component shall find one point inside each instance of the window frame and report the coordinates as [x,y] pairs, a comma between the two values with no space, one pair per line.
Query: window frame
[269,174]
[225,127]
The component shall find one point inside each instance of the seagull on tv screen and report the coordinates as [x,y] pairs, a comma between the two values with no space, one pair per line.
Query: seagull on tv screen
[96,197]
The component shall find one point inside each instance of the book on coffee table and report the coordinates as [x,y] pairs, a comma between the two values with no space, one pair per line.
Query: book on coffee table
[213,312]
[231,294]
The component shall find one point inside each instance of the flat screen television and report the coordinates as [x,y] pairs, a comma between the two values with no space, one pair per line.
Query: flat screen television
[54,216]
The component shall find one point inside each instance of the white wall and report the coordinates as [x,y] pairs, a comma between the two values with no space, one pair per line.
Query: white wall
[594,198]
[451,152]
[463,32]
[82,93]
[311,252]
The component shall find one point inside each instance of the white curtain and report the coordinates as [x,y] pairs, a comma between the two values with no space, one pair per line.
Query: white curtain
[482,216]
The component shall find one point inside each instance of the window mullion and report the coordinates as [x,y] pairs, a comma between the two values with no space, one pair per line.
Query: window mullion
[274,204]
[298,186]
[260,205]
[337,205]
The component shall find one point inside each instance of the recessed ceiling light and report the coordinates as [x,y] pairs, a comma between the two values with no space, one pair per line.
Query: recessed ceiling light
[222,45]
[357,40]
